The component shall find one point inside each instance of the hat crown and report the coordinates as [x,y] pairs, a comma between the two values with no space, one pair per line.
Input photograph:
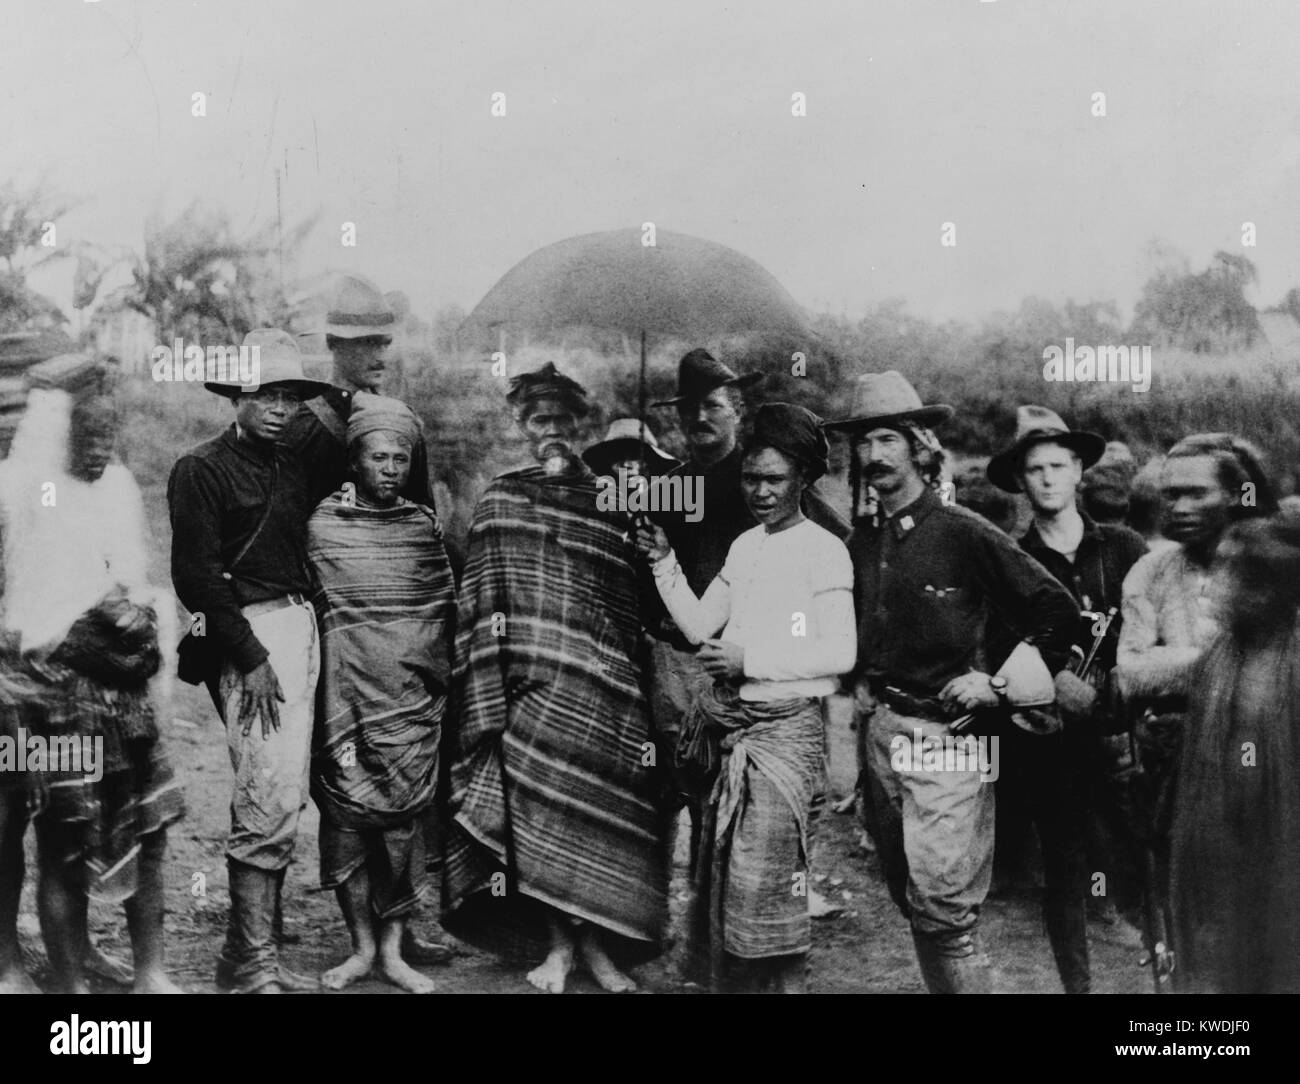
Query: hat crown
[629,429]
[277,355]
[1037,419]
[700,373]
[879,395]
[358,302]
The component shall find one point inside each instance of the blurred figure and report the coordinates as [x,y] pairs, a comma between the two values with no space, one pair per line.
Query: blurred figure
[82,624]
[1235,853]
[1104,492]
[1208,482]
[1144,503]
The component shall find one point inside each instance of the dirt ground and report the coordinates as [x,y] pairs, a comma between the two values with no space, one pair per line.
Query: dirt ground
[866,948]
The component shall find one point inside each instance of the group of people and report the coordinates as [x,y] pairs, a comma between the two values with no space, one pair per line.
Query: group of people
[528,721]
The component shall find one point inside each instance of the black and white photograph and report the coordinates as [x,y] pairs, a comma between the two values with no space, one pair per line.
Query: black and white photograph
[687,499]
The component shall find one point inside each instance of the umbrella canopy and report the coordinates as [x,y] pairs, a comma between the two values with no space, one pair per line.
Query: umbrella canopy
[683,287]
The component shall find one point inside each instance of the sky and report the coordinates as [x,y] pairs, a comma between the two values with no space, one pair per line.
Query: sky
[918,113]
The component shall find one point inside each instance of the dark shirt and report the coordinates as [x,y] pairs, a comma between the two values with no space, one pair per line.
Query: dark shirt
[926,581]
[327,454]
[1095,577]
[216,495]
[701,547]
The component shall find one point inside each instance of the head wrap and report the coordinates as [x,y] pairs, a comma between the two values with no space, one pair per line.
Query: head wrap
[794,432]
[547,383]
[379,413]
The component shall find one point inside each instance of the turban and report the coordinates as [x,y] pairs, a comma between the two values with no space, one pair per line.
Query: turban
[794,432]
[380,414]
[547,383]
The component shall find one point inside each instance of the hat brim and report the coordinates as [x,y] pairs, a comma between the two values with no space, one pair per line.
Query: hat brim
[1001,471]
[738,382]
[359,331]
[601,457]
[304,389]
[928,416]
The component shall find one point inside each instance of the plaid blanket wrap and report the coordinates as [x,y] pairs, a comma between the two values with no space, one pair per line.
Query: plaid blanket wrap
[386,605]
[551,798]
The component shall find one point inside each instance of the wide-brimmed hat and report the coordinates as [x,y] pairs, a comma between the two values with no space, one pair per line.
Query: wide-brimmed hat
[623,441]
[887,399]
[279,365]
[1038,425]
[358,310]
[700,373]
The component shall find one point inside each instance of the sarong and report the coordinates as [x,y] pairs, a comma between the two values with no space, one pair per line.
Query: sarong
[386,605]
[751,889]
[552,757]
[88,728]
[1235,845]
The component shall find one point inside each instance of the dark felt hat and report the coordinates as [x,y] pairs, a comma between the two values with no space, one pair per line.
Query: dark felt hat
[1038,425]
[700,373]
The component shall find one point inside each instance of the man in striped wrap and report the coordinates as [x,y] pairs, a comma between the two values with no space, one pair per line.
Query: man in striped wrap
[556,840]
[386,603]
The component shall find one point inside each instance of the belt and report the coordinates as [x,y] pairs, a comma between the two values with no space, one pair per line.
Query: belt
[272,604]
[923,707]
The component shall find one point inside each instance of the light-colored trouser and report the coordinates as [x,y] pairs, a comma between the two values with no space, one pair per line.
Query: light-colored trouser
[271,774]
[935,831]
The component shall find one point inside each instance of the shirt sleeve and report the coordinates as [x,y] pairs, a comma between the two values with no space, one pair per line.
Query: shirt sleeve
[1144,666]
[193,499]
[697,618]
[1025,595]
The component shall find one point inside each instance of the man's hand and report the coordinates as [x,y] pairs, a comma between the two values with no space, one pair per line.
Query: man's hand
[257,697]
[723,659]
[651,542]
[968,692]
[1074,696]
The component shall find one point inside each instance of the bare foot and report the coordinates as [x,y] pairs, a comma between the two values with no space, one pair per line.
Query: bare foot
[104,966]
[353,968]
[17,981]
[400,973]
[601,967]
[551,975]
[155,983]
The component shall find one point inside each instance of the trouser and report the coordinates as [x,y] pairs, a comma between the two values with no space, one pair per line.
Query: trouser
[935,835]
[1049,770]
[271,773]
[677,679]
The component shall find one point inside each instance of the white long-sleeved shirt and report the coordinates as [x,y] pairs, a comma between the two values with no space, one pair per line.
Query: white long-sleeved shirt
[786,599]
[1169,620]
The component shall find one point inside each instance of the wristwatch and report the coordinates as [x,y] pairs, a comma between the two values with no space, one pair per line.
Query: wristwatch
[999,686]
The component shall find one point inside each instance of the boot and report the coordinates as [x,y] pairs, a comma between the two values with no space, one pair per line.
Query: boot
[1067,930]
[246,879]
[953,963]
[248,960]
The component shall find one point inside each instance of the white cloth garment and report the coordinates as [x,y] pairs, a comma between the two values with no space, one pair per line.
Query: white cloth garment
[785,598]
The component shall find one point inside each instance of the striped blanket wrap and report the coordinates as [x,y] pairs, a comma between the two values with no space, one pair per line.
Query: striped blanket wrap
[386,604]
[551,800]
[748,899]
